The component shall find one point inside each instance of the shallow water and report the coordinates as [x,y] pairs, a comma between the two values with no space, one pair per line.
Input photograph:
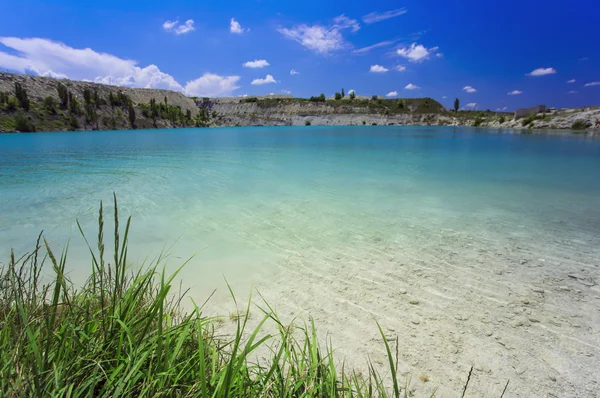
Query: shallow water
[239,199]
[496,236]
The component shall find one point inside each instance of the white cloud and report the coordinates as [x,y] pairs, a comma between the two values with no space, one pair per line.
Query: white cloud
[592,84]
[168,25]
[268,79]
[376,45]
[171,26]
[351,91]
[571,81]
[49,58]
[212,85]
[400,68]
[382,16]
[572,92]
[235,27]
[378,69]
[322,39]
[469,89]
[502,109]
[257,63]
[288,92]
[515,92]
[471,105]
[293,72]
[392,94]
[411,86]
[542,72]
[416,52]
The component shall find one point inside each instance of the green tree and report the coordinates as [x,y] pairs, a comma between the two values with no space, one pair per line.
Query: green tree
[374,98]
[91,117]
[352,95]
[74,107]
[63,95]
[111,99]
[22,97]
[456,105]
[400,103]
[166,102]
[131,114]
[338,96]
[343,94]
[87,96]
[322,97]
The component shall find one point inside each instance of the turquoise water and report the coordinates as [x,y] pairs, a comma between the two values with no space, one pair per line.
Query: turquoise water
[240,200]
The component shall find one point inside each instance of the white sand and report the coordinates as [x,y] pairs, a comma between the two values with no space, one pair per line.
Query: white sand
[525,311]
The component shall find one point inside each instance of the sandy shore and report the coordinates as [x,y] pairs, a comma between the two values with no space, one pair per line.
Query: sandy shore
[524,311]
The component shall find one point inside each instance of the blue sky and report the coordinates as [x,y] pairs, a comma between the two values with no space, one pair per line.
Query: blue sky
[476,51]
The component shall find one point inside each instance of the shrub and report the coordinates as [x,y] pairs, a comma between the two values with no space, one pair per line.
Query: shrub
[578,125]
[307,123]
[374,98]
[11,104]
[249,100]
[477,122]
[50,105]
[502,119]
[73,122]
[528,120]
[400,103]
[352,95]
[63,95]
[23,123]
[364,122]
[338,96]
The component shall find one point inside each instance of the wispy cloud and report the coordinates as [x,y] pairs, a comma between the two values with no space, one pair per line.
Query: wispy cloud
[416,52]
[444,97]
[591,84]
[515,92]
[364,50]
[541,72]
[50,58]
[572,92]
[288,92]
[378,69]
[322,39]
[392,94]
[471,105]
[382,16]
[171,26]
[469,89]
[500,109]
[293,72]
[400,68]
[257,63]
[267,79]
[411,86]
[571,81]
[583,59]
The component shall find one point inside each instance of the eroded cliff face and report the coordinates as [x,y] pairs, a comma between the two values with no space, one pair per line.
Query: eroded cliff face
[39,88]
[299,112]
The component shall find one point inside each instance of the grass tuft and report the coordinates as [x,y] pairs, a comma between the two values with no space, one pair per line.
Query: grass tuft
[123,333]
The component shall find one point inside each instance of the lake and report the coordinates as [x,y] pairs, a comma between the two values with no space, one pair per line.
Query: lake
[349,224]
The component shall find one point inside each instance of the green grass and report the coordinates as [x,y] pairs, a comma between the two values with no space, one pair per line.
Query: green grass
[123,333]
